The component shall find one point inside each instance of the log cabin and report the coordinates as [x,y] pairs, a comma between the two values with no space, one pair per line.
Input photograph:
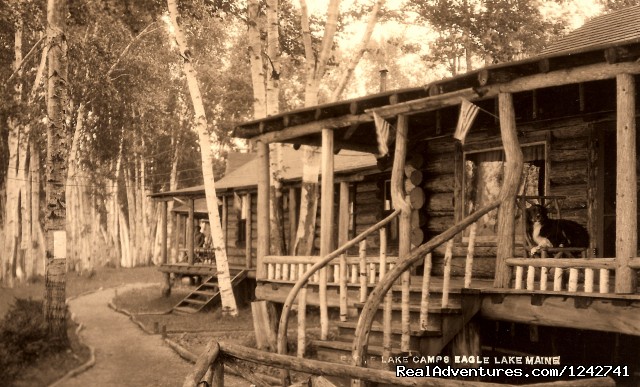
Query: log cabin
[440,262]
[446,268]
[238,208]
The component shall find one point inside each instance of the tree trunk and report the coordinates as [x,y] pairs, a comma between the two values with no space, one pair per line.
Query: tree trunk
[56,169]
[310,161]
[37,242]
[173,185]
[278,246]
[222,264]
[131,212]
[359,52]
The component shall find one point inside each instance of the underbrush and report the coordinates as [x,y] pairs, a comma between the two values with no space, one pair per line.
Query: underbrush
[24,338]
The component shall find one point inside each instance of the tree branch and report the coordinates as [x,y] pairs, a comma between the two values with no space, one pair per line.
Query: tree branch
[24,60]
[355,59]
[126,49]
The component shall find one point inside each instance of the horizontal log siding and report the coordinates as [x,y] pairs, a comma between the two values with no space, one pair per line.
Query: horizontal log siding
[368,211]
[567,176]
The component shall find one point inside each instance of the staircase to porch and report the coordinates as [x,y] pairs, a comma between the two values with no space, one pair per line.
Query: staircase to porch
[443,323]
[207,293]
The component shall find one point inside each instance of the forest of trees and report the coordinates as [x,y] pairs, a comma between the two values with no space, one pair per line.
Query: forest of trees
[129,127]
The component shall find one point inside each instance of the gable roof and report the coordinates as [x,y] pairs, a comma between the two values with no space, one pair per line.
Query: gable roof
[601,31]
[246,175]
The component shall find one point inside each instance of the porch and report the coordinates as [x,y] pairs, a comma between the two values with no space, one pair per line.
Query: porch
[427,299]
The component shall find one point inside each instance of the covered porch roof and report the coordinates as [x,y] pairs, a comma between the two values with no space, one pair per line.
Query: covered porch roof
[245,177]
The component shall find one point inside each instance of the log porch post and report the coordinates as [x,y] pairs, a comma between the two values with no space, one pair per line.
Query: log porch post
[626,194]
[166,289]
[512,176]
[326,224]
[263,207]
[343,237]
[248,234]
[190,232]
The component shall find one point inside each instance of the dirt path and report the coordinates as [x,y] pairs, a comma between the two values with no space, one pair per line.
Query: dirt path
[125,355]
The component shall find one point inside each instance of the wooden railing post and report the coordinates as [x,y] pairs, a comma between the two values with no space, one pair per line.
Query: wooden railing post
[343,237]
[511,182]
[426,283]
[468,268]
[446,280]
[302,322]
[388,301]
[363,270]
[626,186]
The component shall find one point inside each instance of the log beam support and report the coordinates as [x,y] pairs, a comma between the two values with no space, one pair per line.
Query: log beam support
[166,288]
[626,194]
[190,233]
[512,177]
[263,207]
[326,224]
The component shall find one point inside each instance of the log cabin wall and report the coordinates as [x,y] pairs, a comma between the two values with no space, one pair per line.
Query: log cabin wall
[567,172]
[236,252]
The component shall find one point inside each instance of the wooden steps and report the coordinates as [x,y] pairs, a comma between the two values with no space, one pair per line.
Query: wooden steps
[207,293]
[443,324]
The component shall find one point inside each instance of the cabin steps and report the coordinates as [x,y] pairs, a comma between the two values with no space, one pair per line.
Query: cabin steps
[442,326]
[207,293]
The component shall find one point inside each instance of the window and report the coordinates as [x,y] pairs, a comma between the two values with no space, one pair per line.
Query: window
[242,208]
[393,226]
[483,177]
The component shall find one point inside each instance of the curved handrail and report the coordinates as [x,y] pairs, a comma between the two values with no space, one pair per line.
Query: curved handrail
[375,298]
[302,281]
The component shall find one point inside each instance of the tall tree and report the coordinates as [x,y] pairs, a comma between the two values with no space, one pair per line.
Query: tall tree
[315,67]
[222,264]
[485,31]
[56,171]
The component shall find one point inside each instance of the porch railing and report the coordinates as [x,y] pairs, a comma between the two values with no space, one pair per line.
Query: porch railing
[550,274]
[299,289]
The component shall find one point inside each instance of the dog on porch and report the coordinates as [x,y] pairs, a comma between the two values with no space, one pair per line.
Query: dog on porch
[549,233]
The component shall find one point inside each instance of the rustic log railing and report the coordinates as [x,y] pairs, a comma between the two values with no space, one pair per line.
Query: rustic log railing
[543,268]
[361,268]
[299,289]
[211,364]
[363,328]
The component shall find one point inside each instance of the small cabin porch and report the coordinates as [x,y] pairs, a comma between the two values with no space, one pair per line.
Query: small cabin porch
[428,298]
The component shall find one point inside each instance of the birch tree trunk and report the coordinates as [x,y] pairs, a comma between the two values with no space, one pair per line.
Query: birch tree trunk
[278,246]
[359,52]
[56,170]
[311,158]
[173,185]
[13,187]
[222,264]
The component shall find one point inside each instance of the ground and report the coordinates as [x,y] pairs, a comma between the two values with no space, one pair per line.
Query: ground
[113,335]
[125,354]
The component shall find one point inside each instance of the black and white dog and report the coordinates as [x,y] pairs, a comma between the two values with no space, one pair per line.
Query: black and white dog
[554,232]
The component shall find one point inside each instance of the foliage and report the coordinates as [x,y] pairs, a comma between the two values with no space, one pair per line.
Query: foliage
[491,31]
[23,338]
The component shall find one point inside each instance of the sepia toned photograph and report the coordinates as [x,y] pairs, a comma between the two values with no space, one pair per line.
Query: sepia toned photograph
[319,193]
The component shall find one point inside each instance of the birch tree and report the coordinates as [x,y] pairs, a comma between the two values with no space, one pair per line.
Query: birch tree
[314,74]
[200,119]
[56,170]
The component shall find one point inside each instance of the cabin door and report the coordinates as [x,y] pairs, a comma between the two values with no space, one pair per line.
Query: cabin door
[607,192]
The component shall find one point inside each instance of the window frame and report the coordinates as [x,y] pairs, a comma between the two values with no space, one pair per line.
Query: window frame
[486,147]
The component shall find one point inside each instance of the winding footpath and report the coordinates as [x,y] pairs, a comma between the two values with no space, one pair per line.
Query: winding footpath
[125,355]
